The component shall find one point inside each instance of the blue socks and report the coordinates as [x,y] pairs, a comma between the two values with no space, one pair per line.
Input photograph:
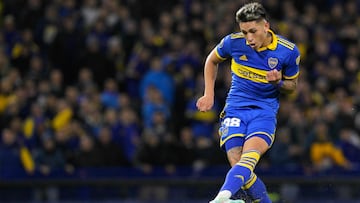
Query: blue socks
[240,173]
[236,178]
[241,176]
[256,189]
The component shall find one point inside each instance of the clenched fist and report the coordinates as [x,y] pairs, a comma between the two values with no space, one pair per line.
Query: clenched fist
[273,76]
[205,103]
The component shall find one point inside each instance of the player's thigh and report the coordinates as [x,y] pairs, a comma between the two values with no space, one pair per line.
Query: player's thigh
[232,133]
[257,144]
[261,133]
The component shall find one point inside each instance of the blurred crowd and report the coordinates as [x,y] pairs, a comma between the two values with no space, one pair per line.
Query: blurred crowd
[107,83]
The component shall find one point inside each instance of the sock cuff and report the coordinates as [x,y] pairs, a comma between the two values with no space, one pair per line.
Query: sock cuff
[249,159]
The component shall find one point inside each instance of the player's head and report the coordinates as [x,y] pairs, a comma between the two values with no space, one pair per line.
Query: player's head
[253,24]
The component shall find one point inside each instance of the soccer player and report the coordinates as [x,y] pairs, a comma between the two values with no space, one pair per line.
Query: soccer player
[263,65]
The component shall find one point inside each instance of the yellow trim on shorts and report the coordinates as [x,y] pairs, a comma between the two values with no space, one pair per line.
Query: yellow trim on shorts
[263,133]
[222,142]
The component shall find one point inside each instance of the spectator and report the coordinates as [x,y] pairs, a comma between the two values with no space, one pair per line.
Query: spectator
[65,49]
[323,152]
[95,59]
[350,145]
[24,49]
[153,153]
[89,12]
[286,152]
[46,28]
[85,79]
[49,158]
[111,153]
[57,83]
[138,65]
[36,69]
[110,94]
[9,153]
[186,148]
[153,102]
[129,133]
[88,154]
[159,78]
[185,85]
[34,126]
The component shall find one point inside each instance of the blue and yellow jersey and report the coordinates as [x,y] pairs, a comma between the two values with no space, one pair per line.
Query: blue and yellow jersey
[249,67]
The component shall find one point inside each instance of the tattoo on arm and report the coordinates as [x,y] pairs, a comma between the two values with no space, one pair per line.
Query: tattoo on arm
[288,86]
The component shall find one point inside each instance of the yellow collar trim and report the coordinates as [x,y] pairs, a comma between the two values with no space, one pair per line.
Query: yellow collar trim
[272,45]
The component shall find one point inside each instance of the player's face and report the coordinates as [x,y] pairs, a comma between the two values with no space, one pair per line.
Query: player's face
[255,32]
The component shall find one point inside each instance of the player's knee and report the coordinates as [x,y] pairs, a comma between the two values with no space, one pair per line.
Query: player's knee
[234,155]
[257,143]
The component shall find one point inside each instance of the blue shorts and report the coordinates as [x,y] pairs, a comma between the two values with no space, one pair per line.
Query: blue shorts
[240,123]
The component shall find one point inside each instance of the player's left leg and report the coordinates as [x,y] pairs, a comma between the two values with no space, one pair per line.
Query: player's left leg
[241,172]
[261,130]
[256,189]
[260,137]
[244,143]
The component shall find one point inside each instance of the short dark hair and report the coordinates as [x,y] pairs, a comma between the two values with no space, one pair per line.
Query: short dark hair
[250,12]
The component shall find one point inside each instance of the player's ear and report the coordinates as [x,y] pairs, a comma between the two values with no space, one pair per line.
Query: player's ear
[266,25]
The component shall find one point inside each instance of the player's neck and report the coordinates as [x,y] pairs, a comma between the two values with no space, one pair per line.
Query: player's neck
[268,39]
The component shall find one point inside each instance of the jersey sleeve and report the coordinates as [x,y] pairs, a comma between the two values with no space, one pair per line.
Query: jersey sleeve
[292,69]
[223,49]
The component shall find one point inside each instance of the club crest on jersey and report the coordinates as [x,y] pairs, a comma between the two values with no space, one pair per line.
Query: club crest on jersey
[272,62]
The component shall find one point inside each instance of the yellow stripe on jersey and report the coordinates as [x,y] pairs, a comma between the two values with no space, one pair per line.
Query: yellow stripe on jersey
[218,55]
[249,73]
[291,77]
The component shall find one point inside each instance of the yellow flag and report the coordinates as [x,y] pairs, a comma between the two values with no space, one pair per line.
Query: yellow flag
[28,127]
[27,159]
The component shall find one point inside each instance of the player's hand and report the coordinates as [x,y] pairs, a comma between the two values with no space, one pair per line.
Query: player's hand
[205,103]
[273,76]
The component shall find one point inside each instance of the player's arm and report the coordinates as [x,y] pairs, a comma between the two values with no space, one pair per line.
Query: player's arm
[206,102]
[210,72]
[285,85]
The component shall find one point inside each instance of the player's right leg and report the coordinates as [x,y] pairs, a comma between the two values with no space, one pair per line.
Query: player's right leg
[232,132]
